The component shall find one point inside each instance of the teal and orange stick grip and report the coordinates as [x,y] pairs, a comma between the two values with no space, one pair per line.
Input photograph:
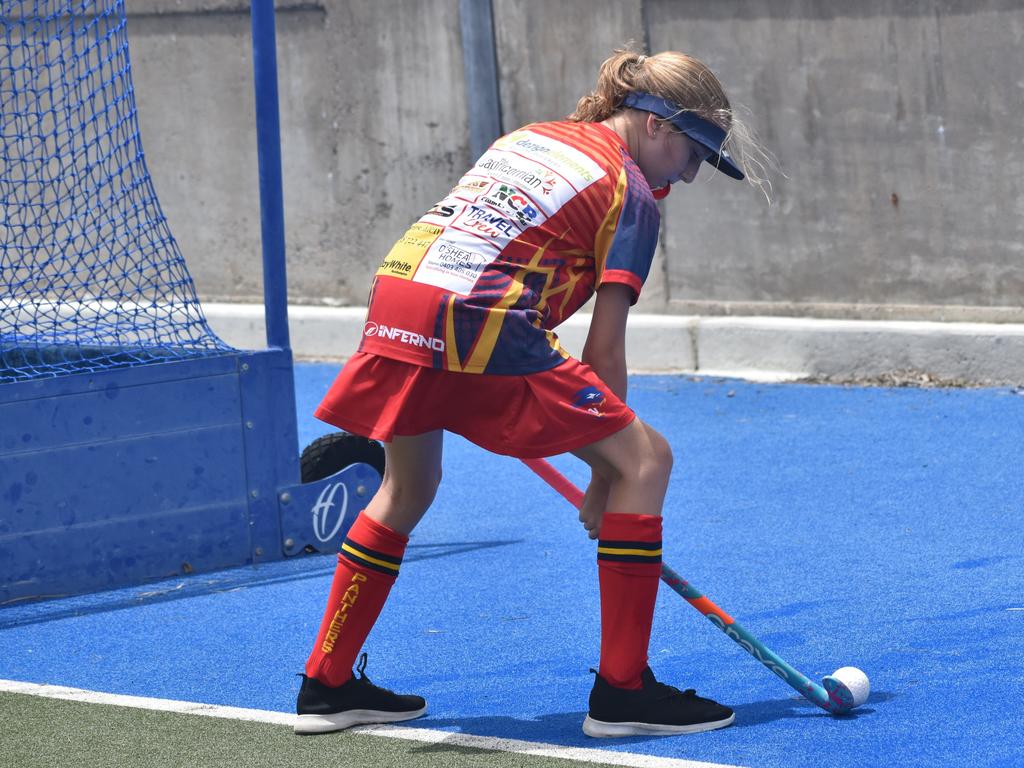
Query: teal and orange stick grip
[833,695]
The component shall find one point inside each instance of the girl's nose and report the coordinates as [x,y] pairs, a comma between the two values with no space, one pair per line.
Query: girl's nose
[692,167]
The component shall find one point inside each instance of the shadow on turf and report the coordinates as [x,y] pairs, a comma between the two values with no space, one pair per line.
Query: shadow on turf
[565,728]
[790,708]
[230,580]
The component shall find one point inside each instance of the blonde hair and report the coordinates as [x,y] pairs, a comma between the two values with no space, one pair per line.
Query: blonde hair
[686,82]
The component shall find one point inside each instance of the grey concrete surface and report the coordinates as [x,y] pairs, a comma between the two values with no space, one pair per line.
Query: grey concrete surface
[896,124]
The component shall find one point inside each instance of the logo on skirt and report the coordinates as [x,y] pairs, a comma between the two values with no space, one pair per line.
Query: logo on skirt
[590,399]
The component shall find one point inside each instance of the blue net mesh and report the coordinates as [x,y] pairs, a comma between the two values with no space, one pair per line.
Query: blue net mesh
[90,276]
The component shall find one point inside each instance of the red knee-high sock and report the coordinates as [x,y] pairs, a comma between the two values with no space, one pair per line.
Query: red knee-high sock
[629,568]
[367,568]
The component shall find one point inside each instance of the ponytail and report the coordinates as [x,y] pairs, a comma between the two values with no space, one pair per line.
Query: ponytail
[620,74]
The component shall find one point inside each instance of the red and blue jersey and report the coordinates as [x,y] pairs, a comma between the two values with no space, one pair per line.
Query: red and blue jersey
[546,216]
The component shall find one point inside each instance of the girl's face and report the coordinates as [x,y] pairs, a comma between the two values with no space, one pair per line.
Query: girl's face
[667,156]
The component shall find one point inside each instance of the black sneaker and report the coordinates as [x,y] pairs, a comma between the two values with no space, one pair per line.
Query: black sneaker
[654,709]
[322,709]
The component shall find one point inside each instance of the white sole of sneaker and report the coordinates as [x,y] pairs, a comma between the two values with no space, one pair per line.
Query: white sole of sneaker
[326,723]
[601,730]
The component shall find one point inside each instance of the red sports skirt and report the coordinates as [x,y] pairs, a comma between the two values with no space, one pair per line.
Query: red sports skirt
[529,416]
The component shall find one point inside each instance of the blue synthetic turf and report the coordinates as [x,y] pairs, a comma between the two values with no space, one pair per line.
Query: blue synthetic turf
[879,528]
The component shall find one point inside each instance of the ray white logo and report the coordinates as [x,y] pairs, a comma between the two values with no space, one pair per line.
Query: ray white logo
[403,336]
[325,512]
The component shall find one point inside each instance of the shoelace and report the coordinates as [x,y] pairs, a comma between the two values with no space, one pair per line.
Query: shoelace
[361,669]
[670,692]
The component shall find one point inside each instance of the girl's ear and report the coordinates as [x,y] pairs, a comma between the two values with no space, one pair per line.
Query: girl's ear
[652,125]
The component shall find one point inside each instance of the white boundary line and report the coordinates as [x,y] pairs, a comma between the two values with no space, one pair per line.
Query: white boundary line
[390,731]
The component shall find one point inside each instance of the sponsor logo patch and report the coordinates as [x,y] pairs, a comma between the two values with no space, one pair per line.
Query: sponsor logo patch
[442,211]
[489,223]
[406,254]
[576,166]
[471,188]
[510,199]
[535,177]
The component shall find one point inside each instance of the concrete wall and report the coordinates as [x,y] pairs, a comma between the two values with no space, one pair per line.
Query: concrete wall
[373,124]
[898,126]
[896,123]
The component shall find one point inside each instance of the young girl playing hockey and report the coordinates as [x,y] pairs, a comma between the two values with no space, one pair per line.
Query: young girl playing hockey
[459,336]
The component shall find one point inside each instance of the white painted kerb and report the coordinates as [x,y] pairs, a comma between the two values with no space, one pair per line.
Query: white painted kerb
[747,347]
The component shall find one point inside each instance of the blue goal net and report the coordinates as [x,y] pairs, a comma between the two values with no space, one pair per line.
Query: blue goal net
[90,276]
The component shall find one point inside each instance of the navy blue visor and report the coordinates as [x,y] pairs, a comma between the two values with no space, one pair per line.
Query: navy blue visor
[704,132]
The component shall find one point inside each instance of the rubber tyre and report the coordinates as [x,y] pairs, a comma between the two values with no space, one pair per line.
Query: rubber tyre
[332,453]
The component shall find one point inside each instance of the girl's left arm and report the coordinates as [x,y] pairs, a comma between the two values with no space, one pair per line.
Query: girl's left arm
[605,352]
[605,349]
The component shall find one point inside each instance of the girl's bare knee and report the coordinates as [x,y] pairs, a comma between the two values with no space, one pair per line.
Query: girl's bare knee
[415,495]
[661,451]
[654,465]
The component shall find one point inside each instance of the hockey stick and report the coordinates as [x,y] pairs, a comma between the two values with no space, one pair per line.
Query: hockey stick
[838,693]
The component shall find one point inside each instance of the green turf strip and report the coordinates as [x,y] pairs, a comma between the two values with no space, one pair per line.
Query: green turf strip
[37,732]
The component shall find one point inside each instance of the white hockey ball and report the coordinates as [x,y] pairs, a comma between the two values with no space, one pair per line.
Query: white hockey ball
[856,681]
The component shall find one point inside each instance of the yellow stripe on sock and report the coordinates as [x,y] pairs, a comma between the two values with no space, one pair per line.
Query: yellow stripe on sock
[367,558]
[643,552]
